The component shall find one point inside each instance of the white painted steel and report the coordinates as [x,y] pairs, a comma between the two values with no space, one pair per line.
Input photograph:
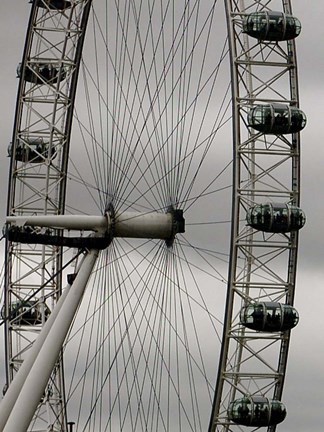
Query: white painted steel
[149,225]
[34,385]
[15,387]
[79,222]
[127,224]
[255,363]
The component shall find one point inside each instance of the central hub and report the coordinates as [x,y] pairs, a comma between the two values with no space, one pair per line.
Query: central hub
[148,225]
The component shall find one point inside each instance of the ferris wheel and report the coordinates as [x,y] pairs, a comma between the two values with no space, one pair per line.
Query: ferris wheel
[153,217]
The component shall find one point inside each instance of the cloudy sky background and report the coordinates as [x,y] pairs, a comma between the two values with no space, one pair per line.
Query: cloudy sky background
[303,394]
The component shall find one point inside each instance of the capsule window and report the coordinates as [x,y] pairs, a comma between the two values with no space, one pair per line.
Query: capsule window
[33,150]
[260,217]
[42,73]
[27,312]
[297,120]
[290,317]
[276,119]
[271,26]
[298,218]
[278,412]
[275,218]
[241,411]
[293,27]
[269,317]
[256,411]
[280,220]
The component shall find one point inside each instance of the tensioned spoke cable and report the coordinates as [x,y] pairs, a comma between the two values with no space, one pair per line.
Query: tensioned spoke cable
[176,140]
[206,191]
[141,340]
[143,194]
[184,369]
[184,91]
[142,64]
[113,163]
[78,176]
[145,119]
[148,282]
[216,127]
[125,139]
[123,303]
[164,349]
[189,60]
[202,301]
[161,76]
[129,110]
[187,65]
[154,96]
[145,70]
[93,161]
[181,269]
[218,276]
[101,165]
[173,86]
[112,260]
[188,156]
[95,169]
[107,158]
[114,95]
[120,148]
[144,308]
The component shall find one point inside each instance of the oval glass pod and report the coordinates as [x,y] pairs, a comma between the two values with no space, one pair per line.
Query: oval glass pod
[53,4]
[256,411]
[269,316]
[33,150]
[271,26]
[42,73]
[275,217]
[276,119]
[29,312]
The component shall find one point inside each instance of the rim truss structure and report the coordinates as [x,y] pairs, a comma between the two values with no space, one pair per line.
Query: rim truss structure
[265,168]
[39,157]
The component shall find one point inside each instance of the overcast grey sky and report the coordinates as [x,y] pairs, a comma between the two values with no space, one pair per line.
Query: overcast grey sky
[304,393]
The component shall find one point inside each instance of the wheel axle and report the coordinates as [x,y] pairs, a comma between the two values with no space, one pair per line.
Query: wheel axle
[43,229]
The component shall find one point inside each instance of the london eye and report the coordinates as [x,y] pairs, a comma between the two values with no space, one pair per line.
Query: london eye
[153,214]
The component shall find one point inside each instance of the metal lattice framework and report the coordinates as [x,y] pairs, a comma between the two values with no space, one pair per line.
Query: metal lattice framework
[44,112]
[267,168]
[161,111]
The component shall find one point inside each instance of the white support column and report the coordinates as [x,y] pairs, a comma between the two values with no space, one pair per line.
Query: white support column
[35,383]
[15,387]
